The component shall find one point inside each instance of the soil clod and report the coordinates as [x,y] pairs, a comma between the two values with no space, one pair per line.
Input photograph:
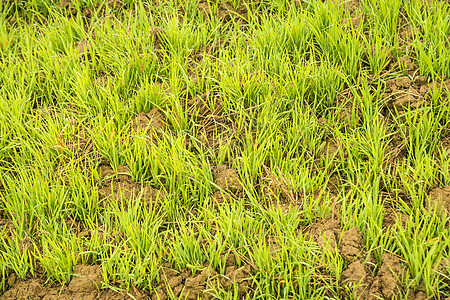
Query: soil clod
[388,279]
[153,120]
[183,284]
[393,218]
[356,276]
[85,287]
[439,198]
[117,185]
[227,181]
[351,245]
[86,279]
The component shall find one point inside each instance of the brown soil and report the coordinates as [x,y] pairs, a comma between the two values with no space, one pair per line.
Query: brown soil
[228,183]
[86,285]
[6,227]
[30,246]
[353,5]
[182,284]
[353,22]
[327,240]
[335,151]
[332,148]
[439,198]
[356,16]
[408,33]
[358,273]
[115,4]
[404,64]
[326,234]
[225,11]
[67,6]
[386,283]
[351,245]
[87,278]
[227,179]
[115,183]
[82,47]
[445,143]
[396,152]
[442,269]
[418,295]
[401,94]
[153,120]
[278,191]
[156,34]
[103,81]
[392,218]
[199,111]
[355,275]
[345,112]
[334,184]
[215,132]
[404,92]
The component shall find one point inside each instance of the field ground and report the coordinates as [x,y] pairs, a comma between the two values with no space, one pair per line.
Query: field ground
[187,149]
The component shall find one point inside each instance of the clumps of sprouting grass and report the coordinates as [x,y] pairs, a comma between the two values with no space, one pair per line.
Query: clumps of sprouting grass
[153,142]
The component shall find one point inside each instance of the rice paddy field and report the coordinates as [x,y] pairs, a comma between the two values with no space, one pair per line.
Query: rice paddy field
[208,149]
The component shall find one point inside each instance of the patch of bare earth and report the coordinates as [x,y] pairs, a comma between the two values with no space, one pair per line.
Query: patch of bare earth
[445,143]
[396,152]
[394,218]
[419,295]
[215,132]
[334,149]
[117,185]
[151,122]
[6,227]
[103,81]
[225,12]
[276,189]
[86,284]
[358,274]
[356,277]
[326,234]
[404,92]
[439,199]
[182,284]
[228,183]
[356,16]
[353,5]
[387,282]
[408,33]
[351,245]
